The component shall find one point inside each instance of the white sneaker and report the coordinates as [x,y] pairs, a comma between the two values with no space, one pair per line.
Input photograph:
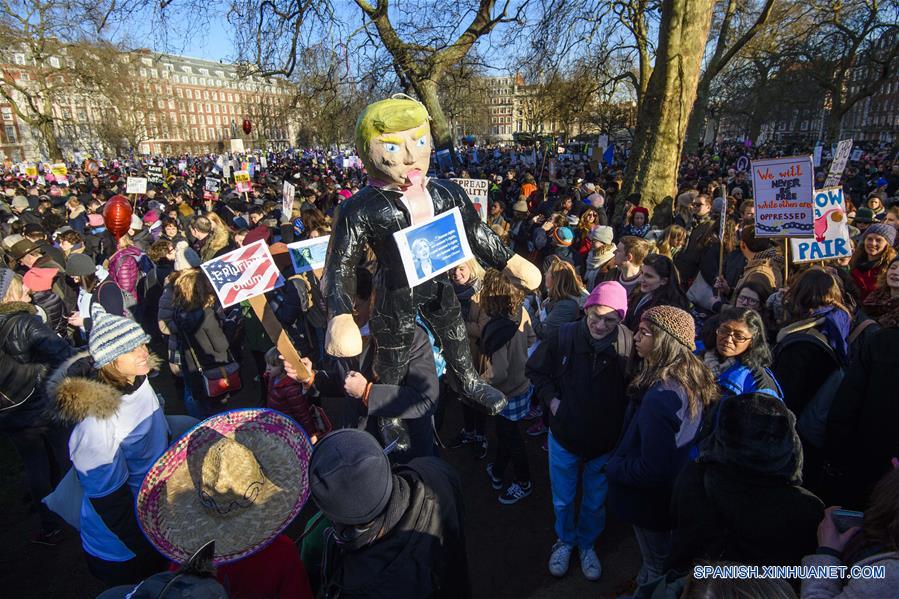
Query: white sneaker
[559,559]
[590,565]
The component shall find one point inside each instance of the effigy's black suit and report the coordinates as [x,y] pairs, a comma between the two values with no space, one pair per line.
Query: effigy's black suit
[371,217]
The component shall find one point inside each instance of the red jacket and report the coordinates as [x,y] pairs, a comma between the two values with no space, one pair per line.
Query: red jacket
[866,280]
[287,396]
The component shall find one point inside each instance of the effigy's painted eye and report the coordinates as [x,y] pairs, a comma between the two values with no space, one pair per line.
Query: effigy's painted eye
[391,147]
[422,141]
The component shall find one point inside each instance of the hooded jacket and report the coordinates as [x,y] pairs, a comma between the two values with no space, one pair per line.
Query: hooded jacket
[118,435]
[124,269]
[421,556]
[741,501]
[28,350]
[766,268]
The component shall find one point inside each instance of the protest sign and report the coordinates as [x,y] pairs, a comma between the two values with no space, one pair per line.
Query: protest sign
[226,170]
[31,170]
[782,189]
[263,162]
[743,163]
[840,157]
[59,169]
[136,185]
[433,247]
[242,181]
[182,165]
[309,254]
[62,180]
[212,184]
[154,175]
[816,155]
[478,191]
[237,145]
[831,240]
[444,161]
[288,194]
[243,273]
[856,155]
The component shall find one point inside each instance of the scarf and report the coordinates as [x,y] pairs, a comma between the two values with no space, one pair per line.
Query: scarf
[836,327]
[354,540]
[715,364]
[465,292]
[598,346]
[596,260]
[883,308]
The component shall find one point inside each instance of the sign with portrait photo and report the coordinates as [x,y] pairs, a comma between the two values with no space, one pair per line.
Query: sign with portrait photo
[433,247]
[309,254]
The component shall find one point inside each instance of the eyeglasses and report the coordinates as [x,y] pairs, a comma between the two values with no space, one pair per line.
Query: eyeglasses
[724,333]
[745,299]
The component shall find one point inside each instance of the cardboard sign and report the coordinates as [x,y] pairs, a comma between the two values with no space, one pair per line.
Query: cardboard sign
[136,185]
[242,181]
[309,254]
[840,158]
[59,169]
[478,191]
[154,175]
[212,184]
[831,240]
[433,247]
[237,146]
[288,194]
[782,189]
[243,273]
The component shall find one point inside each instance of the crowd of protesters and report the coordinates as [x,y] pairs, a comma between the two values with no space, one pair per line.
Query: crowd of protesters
[703,389]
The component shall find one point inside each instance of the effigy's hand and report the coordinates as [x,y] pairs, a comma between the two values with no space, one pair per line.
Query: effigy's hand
[343,339]
[522,273]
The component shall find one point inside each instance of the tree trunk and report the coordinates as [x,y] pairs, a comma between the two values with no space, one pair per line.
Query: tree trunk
[696,125]
[440,129]
[662,120]
[47,132]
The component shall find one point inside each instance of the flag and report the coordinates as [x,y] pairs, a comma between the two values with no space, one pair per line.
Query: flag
[609,155]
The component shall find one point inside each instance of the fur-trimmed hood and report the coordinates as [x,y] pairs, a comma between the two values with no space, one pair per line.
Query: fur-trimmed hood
[77,394]
[17,307]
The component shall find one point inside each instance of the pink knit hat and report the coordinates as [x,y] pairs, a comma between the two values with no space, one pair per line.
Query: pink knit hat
[610,294]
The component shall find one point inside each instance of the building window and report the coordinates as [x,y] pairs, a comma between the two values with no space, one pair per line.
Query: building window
[19,59]
[143,72]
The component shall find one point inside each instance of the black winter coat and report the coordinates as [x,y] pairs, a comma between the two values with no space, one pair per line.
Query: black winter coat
[372,216]
[53,307]
[200,330]
[28,350]
[422,556]
[688,259]
[591,388]
[863,423]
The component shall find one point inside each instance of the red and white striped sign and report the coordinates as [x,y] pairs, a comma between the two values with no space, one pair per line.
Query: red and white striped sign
[244,273]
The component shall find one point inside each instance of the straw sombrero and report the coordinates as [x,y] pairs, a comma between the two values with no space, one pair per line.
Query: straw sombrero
[238,478]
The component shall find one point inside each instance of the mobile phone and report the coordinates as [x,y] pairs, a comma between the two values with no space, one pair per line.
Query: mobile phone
[846,519]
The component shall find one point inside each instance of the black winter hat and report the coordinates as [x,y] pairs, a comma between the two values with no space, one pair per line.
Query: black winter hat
[350,477]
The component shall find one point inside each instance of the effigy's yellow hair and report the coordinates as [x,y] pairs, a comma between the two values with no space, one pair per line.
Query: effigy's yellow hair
[388,116]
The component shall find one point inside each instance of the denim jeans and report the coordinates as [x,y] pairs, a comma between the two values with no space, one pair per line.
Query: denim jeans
[564,468]
[655,546]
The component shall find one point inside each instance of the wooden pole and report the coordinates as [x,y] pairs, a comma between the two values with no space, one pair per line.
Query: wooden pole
[786,260]
[277,334]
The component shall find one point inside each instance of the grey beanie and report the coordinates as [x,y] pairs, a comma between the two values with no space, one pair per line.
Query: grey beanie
[350,477]
[112,336]
[80,265]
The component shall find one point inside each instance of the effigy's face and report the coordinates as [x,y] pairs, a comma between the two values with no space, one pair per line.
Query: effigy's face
[401,158]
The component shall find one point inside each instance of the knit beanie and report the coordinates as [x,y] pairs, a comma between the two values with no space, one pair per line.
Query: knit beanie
[39,279]
[6,278]
[520,206]
[611,294]
[674,321]
[186,257]
[112,336]
[563,236]
[886,231]
[350,477]
[864,215]
[601,233]
[80,265]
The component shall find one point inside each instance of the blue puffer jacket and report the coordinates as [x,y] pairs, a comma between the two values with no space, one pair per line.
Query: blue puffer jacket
[657,442]
[739,379]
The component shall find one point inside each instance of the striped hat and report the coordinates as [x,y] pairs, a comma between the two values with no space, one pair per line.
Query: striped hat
[112,336]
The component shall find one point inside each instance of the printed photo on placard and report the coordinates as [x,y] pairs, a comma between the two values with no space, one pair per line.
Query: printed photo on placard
[433,247]
[309,254]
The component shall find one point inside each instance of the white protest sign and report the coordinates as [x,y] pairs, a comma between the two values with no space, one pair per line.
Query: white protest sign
[288,193]
[782,189]
[243,273]
[831,240]
[840,157]
[226,170]
[309,254]
[433,247]
[263,162]
[478,191]
[242,181]
[182,165]
[237,146]
[136,185]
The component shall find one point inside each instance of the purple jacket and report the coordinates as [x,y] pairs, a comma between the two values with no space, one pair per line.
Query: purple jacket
[124,270]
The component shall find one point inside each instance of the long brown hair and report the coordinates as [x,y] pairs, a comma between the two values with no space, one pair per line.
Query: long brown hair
[565,282]
[499,297]
[191,290]
[583,226]
[671,360]
[861,255]
[881,523]
[674,237]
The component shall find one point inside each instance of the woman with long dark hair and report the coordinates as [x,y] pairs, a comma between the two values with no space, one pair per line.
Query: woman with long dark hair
[740,358]
[659,286]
